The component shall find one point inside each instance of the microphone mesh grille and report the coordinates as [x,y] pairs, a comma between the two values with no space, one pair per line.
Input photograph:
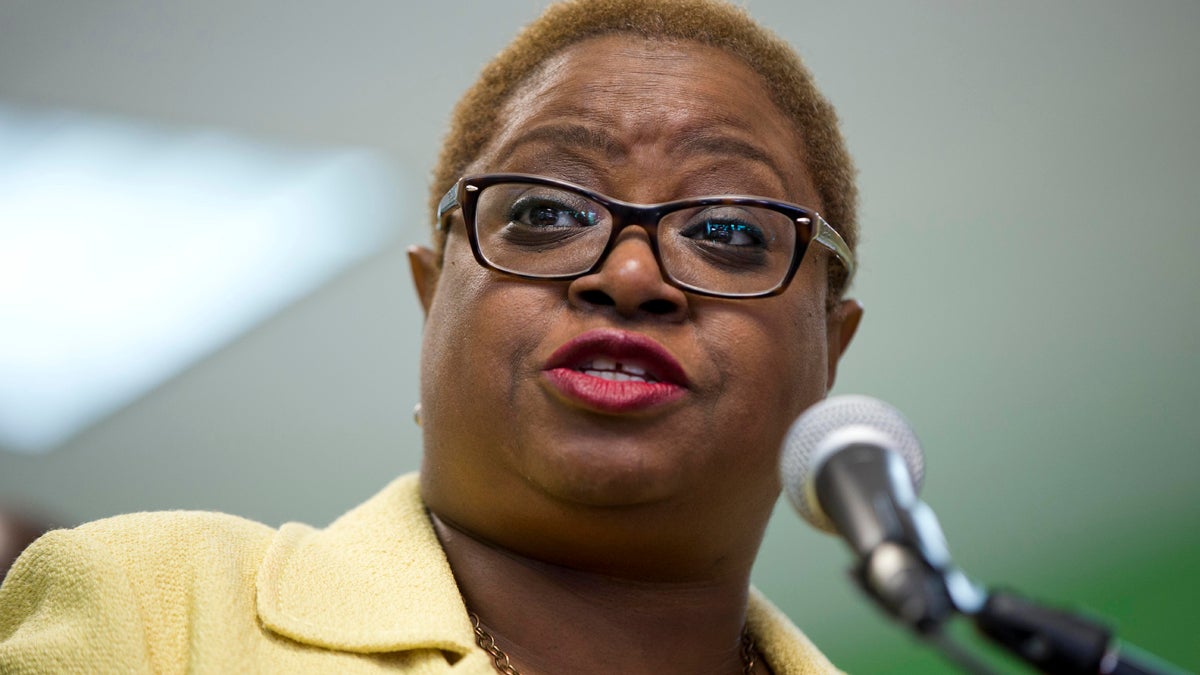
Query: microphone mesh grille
[796,464]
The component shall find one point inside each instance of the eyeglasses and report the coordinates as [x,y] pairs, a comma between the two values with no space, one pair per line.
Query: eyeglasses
[725,246]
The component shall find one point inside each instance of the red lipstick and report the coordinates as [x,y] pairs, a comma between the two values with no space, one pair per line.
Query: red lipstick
[614,371]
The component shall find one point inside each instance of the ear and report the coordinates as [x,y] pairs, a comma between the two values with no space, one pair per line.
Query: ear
[423,263]
[841,324]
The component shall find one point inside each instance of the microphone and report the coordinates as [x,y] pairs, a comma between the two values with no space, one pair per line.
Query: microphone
[852,466]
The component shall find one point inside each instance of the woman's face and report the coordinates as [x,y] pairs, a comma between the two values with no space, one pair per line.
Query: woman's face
[527,445]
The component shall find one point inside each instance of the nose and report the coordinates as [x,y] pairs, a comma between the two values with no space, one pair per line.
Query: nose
[630,283]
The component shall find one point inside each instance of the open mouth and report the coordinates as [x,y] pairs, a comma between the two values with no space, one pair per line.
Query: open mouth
[615,371]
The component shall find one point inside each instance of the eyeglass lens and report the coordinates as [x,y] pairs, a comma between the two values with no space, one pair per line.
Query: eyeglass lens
[546,231]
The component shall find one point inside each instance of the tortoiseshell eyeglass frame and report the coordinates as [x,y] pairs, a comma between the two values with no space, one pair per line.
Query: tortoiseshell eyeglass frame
[809,224]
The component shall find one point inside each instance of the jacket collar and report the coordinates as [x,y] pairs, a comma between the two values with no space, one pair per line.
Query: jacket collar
[376,580]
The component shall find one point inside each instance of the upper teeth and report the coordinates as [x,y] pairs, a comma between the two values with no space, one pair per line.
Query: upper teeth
[611,369]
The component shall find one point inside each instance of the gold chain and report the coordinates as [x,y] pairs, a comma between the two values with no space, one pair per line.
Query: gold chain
[504,665]
[488,644]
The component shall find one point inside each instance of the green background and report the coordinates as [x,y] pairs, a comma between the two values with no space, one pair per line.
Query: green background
[1029,176]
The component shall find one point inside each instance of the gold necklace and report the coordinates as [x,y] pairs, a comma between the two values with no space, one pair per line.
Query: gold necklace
[504,665]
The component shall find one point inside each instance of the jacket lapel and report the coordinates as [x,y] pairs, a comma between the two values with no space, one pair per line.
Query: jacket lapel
[376,580]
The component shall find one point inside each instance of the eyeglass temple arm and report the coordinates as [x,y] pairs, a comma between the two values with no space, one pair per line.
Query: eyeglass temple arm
[830,238]
[448,202]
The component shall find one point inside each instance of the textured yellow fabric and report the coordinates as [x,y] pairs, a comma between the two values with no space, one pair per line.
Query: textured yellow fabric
[190,592]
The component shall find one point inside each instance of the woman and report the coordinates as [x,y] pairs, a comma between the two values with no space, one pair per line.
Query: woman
[604,391]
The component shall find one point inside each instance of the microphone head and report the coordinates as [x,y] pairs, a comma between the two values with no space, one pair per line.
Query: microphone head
[833,424]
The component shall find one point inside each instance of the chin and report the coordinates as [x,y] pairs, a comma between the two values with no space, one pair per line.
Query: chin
[608,474]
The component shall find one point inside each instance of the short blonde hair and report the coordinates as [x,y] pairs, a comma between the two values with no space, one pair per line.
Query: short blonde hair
[475,122]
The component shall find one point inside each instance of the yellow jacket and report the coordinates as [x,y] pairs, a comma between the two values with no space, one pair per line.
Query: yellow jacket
[196,592]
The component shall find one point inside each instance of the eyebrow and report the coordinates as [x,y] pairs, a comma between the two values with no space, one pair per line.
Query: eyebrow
[569,135]
[708,142]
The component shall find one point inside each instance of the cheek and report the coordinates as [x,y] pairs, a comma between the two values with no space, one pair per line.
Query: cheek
[808,321]
[773,366]
[476,337]
[779,353]
[809,358]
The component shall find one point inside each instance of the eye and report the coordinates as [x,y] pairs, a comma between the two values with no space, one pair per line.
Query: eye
[726,231]
[541,212]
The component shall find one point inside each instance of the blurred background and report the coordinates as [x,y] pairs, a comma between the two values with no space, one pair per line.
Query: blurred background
[205,302]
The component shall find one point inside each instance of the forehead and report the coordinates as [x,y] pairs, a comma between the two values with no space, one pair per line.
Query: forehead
[618,98]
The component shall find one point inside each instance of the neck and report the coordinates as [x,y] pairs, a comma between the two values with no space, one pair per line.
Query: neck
[553,619]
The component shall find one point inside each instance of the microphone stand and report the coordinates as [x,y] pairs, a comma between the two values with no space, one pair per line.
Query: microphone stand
[919,587]
[1057,642]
